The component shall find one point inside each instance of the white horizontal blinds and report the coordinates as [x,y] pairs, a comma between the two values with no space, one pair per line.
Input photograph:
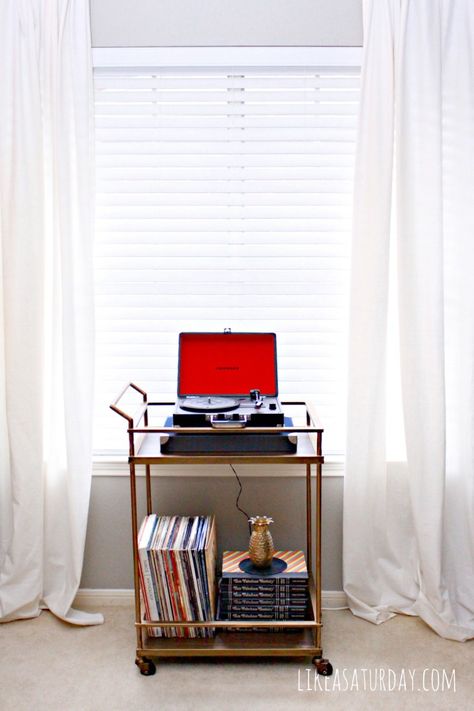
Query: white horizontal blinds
[223,200]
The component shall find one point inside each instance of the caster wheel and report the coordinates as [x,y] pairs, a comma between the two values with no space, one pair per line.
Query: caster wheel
[146,666]
[323,666]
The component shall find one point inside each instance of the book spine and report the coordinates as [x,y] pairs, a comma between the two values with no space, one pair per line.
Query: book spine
[151,631]
[239,607]
[154,584]
[192,592]
[178,631]
[165,591]
[148,590]
[263,584]
[146,585]
[210,556]
[274,615]
[265,630]
[177,591]
[184,591]
[204,582]
[200,587]
[271,595]
[194,581]
[205,586]
[158,580]
[181,577]
[259,595]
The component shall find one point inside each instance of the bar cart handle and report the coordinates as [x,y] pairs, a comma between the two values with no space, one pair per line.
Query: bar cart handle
[120,412]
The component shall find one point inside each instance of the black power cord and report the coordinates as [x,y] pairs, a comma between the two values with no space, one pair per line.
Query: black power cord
[238,499]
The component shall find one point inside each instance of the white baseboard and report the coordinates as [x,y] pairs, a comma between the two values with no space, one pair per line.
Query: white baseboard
[124,597]
[108,596]
[333,599]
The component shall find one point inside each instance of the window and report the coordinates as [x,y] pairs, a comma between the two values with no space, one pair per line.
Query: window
[223,201]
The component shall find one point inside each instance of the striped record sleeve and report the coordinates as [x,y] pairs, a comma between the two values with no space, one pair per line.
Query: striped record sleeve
[295,560]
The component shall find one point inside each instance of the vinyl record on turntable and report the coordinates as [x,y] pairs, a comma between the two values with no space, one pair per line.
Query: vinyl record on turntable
[209,404]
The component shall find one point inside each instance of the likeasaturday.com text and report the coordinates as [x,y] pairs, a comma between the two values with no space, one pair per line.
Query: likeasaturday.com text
[379,679]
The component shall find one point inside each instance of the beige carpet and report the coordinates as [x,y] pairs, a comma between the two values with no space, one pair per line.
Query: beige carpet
[47,665]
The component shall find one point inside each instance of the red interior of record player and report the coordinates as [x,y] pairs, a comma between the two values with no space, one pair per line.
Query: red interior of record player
[227,363]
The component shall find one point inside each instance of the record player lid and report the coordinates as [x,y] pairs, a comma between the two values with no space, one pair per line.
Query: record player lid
[227,364]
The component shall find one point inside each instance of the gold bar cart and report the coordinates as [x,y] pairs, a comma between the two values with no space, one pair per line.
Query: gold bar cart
[304,637]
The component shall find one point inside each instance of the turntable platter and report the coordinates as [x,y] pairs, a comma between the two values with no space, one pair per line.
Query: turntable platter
[209,404]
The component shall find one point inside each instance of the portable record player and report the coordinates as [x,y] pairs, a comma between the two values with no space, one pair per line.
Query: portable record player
[228,381]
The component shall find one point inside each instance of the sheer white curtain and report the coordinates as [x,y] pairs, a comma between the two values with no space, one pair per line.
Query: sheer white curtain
[409,526]
[46,309]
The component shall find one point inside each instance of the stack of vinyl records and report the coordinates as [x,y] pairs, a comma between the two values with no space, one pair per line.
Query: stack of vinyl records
[263,596]
[177,561]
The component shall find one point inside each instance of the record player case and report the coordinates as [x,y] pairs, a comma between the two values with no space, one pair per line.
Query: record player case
[304,639]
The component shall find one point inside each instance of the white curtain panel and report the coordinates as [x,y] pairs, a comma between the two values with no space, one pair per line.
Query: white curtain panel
[409,525]
[46,304]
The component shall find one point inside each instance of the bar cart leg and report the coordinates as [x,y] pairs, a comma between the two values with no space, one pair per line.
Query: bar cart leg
[309,514]
[309,532]
[323,666]
[146,666]
[133,501]
[318,580]
[149,505]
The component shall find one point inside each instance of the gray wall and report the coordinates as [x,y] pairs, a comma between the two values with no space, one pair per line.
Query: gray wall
[108,557]
[207,23]
[122,23]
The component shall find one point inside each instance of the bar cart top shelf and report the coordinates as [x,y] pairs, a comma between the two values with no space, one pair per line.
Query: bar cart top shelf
[144,437]
[148,452]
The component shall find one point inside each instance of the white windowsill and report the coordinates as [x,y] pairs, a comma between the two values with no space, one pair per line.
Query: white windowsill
[118,466]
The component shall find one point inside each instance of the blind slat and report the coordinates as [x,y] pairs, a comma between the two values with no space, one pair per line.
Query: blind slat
[164,81]
[326,285]
[121,99]
[229,225]
[204,172]
[242,115]
[315,146]
[223,186]
[211,159]
[169,250]
[231,133]
[288,200]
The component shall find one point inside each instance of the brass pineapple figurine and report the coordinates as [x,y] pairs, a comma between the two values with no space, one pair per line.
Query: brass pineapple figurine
[261,548]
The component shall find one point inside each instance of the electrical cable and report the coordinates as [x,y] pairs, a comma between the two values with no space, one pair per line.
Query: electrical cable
[238,499]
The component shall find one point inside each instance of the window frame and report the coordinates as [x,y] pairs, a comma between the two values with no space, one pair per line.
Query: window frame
[255,57]
[234,58]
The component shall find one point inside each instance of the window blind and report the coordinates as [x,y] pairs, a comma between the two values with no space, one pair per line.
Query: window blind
[223,201]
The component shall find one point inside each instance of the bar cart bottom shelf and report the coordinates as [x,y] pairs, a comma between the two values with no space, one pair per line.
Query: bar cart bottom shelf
[297,643]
